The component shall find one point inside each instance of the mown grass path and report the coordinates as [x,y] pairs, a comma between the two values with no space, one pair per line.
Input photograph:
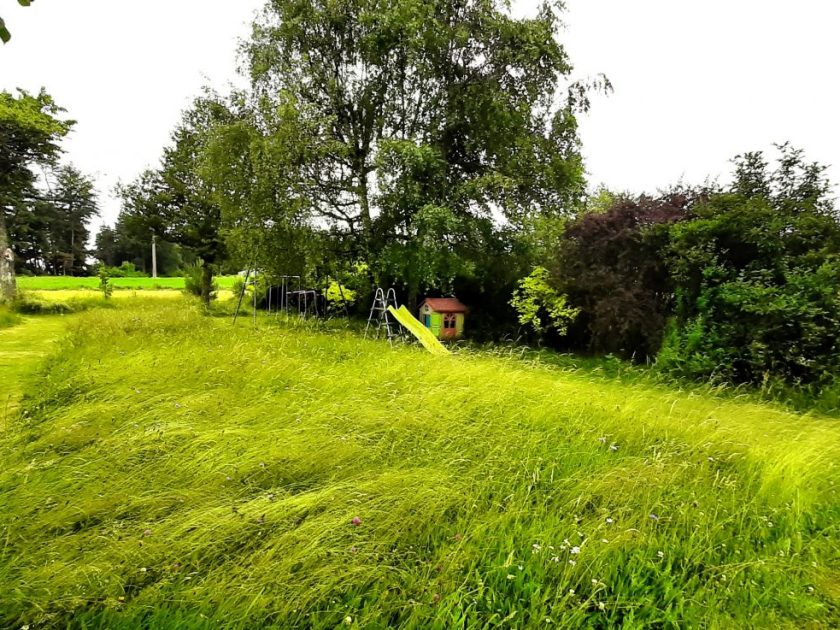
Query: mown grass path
[22,348]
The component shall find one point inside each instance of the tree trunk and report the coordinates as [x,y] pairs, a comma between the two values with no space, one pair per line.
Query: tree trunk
[8,286]
[206,284]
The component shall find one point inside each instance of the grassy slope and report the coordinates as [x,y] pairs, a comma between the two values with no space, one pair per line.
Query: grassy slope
[22,348]
[175,471]
[58,283]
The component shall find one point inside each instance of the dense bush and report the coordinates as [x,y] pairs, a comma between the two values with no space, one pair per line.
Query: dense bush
[757,277]
[125,270]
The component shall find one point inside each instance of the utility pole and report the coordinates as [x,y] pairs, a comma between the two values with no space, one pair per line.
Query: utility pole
[154,256]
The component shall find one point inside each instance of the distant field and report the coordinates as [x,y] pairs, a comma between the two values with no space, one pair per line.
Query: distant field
[170,470]
[125,293]
[60,283]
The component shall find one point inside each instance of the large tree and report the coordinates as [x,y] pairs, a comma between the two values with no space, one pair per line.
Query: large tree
[425,121]
[30,130]
[72,204]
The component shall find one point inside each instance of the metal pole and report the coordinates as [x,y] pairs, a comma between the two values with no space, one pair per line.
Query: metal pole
[154,256]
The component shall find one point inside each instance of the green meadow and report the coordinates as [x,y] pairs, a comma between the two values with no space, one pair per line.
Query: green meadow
[70,283]
[166,469]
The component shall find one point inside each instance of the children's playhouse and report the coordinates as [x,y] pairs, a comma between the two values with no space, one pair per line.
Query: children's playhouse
[444,317]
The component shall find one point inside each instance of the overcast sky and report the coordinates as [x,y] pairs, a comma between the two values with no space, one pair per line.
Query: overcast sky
[696,81]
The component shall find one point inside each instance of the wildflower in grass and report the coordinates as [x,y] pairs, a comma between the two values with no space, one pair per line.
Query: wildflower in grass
[609,521]
[511,576]
[613,447]
[602,440]
[555,558]
[654,517]
[605,541]
[536,548]
[348,620]
[572,562]
[660,554]
[147,533]
[354,549]
[571,591]
[356,521]
[574,550]
[601,605]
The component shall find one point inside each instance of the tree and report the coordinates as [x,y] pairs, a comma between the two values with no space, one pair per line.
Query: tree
[611,264]
[176,202]
[5,35]
[72,205]
[249,164]
[29,133]
[411,125]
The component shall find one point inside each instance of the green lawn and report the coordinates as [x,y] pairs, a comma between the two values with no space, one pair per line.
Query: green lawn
[172,471]
[63,283]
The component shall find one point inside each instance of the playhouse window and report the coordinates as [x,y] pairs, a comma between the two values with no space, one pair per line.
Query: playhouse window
[449,321]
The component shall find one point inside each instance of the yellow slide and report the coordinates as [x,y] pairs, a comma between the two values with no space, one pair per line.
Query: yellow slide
[413,325]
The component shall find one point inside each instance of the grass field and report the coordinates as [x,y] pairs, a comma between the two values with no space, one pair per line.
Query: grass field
[59,283]
[168,470]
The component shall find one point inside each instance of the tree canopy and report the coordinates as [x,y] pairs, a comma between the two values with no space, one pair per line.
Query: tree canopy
[31,128]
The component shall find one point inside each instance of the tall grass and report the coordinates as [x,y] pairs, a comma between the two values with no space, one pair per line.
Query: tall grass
[8,317]
[174,471]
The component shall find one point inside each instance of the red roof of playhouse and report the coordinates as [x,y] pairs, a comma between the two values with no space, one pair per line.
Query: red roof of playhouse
[446,305]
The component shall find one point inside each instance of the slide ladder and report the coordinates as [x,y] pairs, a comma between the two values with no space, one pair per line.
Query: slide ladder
[382,302]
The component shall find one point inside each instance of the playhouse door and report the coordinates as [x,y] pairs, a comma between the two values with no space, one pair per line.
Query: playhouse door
[437,324]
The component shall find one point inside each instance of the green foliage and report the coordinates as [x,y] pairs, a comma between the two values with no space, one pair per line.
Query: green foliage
[757,274]
[125,270]
[195,279]
[192,463]
[540,306]
[339,295]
